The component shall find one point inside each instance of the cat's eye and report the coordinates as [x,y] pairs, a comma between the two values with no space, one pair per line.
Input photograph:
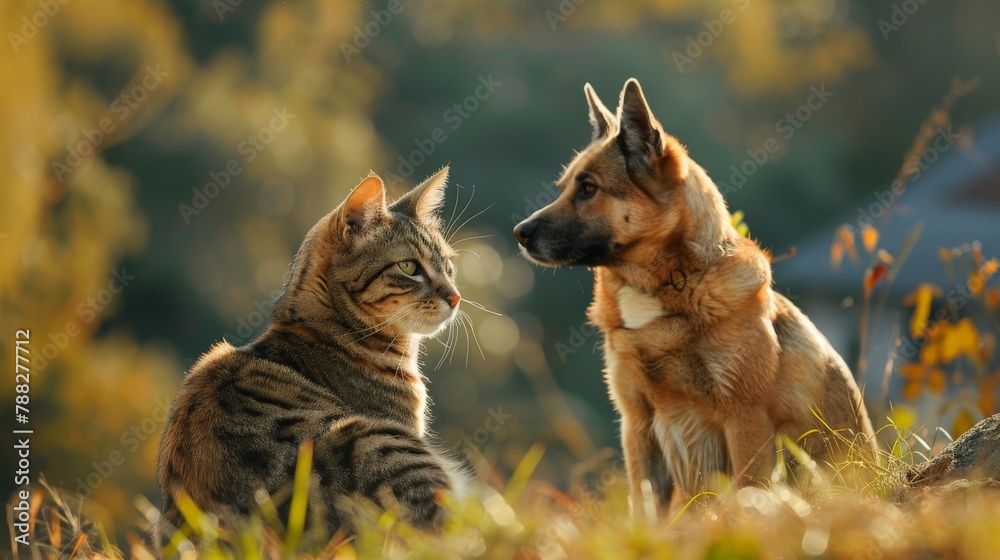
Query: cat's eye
[408,267]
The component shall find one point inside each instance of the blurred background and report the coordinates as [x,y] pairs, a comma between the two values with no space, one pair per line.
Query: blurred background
[161,161]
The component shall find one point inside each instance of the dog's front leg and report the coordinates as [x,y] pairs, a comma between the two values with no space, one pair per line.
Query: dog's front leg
[750,442]
[644,461]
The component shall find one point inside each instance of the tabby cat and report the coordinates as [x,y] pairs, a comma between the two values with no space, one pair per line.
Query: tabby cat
[337,365]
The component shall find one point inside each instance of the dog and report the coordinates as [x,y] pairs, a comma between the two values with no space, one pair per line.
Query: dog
[705,363]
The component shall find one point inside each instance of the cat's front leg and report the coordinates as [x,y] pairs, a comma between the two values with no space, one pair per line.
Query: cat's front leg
[388,464]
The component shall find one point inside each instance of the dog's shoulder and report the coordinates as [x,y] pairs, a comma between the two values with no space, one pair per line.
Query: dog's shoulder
[740,276]
[737,282]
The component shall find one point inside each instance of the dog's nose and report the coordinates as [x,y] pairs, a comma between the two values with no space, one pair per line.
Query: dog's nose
[524,230]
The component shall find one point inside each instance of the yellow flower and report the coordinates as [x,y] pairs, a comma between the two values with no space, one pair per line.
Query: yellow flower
[869,238]
[921,298]
[961,338]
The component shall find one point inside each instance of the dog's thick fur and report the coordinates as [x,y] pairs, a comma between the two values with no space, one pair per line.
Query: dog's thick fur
[704,361]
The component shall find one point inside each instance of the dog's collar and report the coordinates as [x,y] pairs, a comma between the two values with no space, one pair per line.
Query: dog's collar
[678,280]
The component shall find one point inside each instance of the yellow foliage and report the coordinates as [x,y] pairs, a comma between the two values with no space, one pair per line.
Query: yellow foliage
[869,237]
[836,255]
[939,361]
[960,339]
[903,417]
[921,298]
[736,219]
[963,421]
[68,223]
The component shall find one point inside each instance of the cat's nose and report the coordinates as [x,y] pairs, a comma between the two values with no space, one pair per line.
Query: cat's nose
[524,230]
[453,300]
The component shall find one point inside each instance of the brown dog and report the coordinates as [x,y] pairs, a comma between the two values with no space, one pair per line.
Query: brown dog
[704,361]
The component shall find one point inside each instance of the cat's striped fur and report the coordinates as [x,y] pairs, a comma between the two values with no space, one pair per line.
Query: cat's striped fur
[337,365]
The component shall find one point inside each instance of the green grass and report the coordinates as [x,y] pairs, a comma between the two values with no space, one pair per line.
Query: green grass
[851,510]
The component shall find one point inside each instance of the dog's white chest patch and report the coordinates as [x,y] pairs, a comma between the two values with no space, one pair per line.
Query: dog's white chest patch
[637,308]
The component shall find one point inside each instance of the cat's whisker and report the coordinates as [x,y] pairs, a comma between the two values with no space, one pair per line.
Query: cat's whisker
[472,327]
[461,321]
[402,357]
[370,330]
[448,345]
[482,307]
[454,341]
[392,316]
[473,217]
[452,222]
[451,219]
[406,329]
[392,313]
[381,326]
[455,346]
[468,251]
[464,239]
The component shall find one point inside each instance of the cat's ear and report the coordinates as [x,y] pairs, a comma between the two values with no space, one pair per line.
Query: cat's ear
[426,199]
[364,206]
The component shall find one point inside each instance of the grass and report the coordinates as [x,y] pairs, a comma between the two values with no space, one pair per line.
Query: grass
[824,513]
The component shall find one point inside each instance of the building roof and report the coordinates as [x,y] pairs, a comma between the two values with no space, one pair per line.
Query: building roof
[957,198]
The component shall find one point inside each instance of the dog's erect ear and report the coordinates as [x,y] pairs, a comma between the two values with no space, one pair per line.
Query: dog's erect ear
[426,199]
[600,117]
[363,207]
[640,133]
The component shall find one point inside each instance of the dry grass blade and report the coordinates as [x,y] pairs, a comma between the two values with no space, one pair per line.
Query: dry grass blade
[300,497]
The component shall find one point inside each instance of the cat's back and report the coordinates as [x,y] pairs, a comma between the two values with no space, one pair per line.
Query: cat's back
[235,426]
[189,448]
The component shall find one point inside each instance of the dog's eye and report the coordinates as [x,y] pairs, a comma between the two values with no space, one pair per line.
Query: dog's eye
[586,190]
[409,267]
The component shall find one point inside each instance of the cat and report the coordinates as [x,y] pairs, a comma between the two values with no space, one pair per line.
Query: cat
[337,365]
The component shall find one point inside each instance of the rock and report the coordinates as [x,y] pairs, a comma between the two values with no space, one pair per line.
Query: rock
[974,456]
